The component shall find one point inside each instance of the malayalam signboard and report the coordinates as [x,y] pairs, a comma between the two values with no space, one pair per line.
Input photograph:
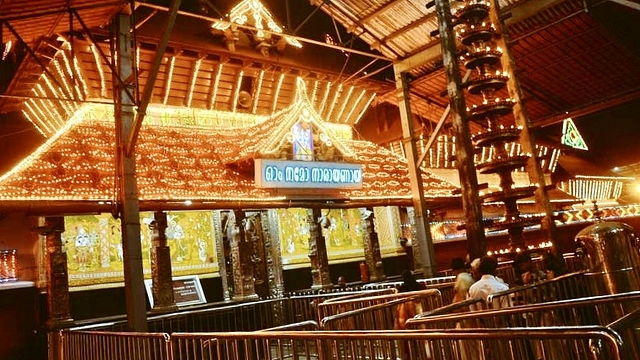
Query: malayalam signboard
[288,174]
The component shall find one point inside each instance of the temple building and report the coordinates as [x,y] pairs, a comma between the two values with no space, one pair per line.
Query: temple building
[232,156]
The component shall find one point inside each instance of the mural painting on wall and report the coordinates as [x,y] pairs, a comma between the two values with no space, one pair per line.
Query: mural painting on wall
[387,223]
[343,235]
[94,246]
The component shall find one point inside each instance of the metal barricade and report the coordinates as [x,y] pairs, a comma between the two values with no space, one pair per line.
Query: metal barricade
[103,345]
[569,286]
[396,284]
[596,310]
[600,310]
[368,345]
[380,313]
[430,299]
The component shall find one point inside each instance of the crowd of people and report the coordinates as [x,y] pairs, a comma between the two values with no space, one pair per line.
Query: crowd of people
[477,279]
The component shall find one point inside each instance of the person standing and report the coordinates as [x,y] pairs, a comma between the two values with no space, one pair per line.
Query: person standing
[489,284]
[463,281]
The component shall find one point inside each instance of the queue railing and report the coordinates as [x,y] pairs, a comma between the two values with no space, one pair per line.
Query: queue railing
[396,284]
[244,316]
[568,286]
[360,345]
[427,299]
[606,310]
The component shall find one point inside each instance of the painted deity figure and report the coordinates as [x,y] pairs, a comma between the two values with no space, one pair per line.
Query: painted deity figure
[83,249]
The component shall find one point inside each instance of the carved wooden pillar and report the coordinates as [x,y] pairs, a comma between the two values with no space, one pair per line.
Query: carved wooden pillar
[372,257]
[162,282]
[220,219]
[241,247]
[57,273]
[318,252]
[274,254]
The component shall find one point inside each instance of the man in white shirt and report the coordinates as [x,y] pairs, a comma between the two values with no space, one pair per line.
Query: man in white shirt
[489,283]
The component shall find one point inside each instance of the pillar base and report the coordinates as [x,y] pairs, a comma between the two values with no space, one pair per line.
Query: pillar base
[320,287]
[377,278]
[251,297]
[164,309]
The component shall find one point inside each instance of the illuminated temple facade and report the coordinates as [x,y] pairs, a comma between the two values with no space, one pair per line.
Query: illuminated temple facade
[246,167]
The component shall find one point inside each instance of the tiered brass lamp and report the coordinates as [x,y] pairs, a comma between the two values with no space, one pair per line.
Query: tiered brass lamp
[476,33]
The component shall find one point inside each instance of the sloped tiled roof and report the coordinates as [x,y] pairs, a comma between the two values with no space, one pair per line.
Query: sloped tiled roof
[267,137]
[179,163]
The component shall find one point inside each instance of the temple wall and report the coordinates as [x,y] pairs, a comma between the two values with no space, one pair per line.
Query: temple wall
[19,304]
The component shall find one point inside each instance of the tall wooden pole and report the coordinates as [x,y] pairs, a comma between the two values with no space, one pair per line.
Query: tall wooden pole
[130,211]
[422,244]
[464,150]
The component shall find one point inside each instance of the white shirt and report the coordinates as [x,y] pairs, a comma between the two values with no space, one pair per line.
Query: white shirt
[487,285]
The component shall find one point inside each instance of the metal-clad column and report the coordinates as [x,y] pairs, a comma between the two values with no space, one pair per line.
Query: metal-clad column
[162,281]
[241,256]
[130,211]
[423,250]
[57,273]
[464,151]
[372,256]
[527,138]
[320,275]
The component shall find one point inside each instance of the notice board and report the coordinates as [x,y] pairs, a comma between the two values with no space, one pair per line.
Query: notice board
[187,290]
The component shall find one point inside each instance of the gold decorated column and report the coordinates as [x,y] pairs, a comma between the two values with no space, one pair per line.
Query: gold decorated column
[241,248]
[318,251]
[372,256]
[57,273]
[162,282]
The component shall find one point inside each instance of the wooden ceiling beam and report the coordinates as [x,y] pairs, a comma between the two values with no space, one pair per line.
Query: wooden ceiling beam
[584,110]
[517,13]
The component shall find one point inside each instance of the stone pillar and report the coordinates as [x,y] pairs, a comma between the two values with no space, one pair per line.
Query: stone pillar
[318,252]
[57,273]
[162,281]
[372,257]
[241,247]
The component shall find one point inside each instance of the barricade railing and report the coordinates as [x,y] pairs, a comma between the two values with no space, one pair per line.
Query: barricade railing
[308,325]
[595,310]
[375,317]
[247,316]
[429,299]
[397,284]
[607,310]
[568,286]
[459,307]
[629,329]
[498,344]
[585,342]
[111,345]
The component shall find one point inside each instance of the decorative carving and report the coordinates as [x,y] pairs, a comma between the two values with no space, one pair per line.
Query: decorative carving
[220,222]
[318,252]
[372,256]
[57,275]
[162,281]
[415,246]
[241,248]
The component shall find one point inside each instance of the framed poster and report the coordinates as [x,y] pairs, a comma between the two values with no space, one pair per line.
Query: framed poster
[187,290]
